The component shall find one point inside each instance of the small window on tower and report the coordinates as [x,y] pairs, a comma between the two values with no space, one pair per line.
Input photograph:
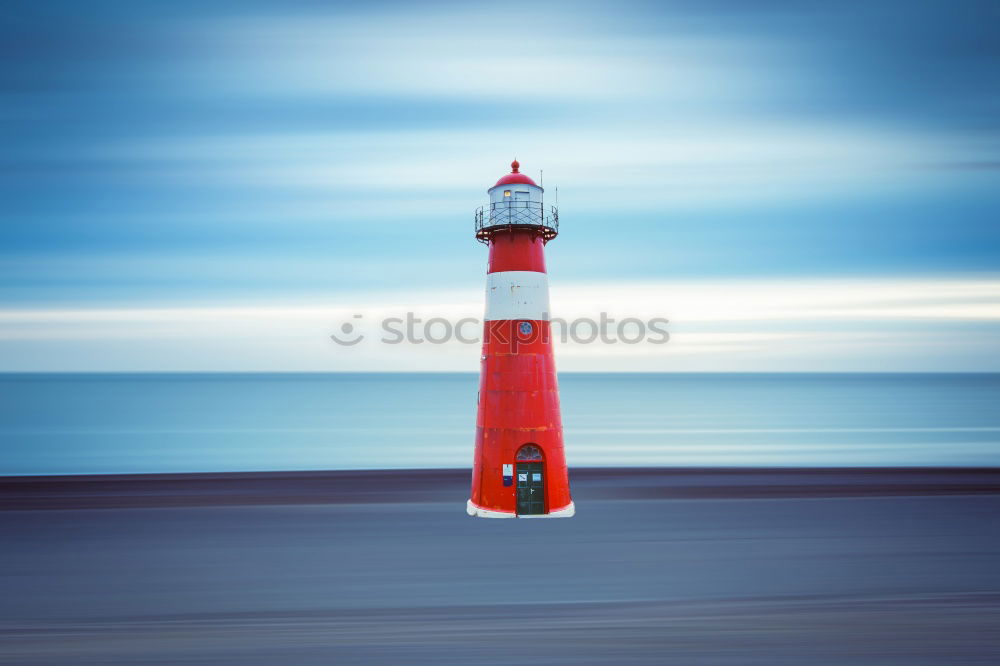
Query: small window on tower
[529,452]
[506,193]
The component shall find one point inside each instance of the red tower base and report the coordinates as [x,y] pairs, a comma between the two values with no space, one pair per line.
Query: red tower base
[480,512]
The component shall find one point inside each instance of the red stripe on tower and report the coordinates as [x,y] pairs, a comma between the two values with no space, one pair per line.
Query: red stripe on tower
[520,464]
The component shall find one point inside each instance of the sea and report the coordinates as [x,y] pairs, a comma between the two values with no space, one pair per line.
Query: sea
[157,423]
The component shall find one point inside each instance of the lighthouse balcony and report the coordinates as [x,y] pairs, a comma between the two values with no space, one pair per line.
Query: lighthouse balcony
[517,215]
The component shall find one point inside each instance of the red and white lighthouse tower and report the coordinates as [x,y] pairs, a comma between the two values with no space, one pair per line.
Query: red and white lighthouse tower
[520,465]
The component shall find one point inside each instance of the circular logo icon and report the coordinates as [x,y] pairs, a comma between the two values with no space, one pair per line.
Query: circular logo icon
[525,328]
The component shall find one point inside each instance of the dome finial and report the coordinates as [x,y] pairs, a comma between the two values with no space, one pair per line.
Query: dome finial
[515,165]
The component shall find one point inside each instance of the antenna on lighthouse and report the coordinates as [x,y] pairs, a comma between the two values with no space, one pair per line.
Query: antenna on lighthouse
[541,200]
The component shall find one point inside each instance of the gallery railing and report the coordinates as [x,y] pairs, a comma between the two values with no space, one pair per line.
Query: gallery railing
[517,214]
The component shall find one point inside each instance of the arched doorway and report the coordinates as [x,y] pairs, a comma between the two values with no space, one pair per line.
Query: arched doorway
[530,480]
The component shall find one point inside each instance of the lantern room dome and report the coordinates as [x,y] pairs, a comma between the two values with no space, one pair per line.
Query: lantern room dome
[515,177]
[516,203]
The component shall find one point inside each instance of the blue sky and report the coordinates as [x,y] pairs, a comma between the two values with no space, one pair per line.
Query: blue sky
[190,162]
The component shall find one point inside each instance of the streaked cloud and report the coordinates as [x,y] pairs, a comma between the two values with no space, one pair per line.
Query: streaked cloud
[892,324]
[162,164]
[636,170]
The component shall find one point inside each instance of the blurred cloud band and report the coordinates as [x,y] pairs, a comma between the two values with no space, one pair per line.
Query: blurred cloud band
[299,152]
[808,325]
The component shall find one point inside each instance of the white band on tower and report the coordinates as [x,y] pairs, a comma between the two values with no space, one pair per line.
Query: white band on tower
[517,295]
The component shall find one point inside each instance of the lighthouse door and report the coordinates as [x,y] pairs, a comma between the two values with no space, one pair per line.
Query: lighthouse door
[530,489]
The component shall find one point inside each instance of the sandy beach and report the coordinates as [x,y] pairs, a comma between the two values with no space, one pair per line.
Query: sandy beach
[837,566]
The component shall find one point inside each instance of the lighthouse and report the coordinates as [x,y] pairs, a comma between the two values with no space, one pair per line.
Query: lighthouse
[519,469]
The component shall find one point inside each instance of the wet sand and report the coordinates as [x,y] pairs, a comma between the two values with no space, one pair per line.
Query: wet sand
[659,566]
